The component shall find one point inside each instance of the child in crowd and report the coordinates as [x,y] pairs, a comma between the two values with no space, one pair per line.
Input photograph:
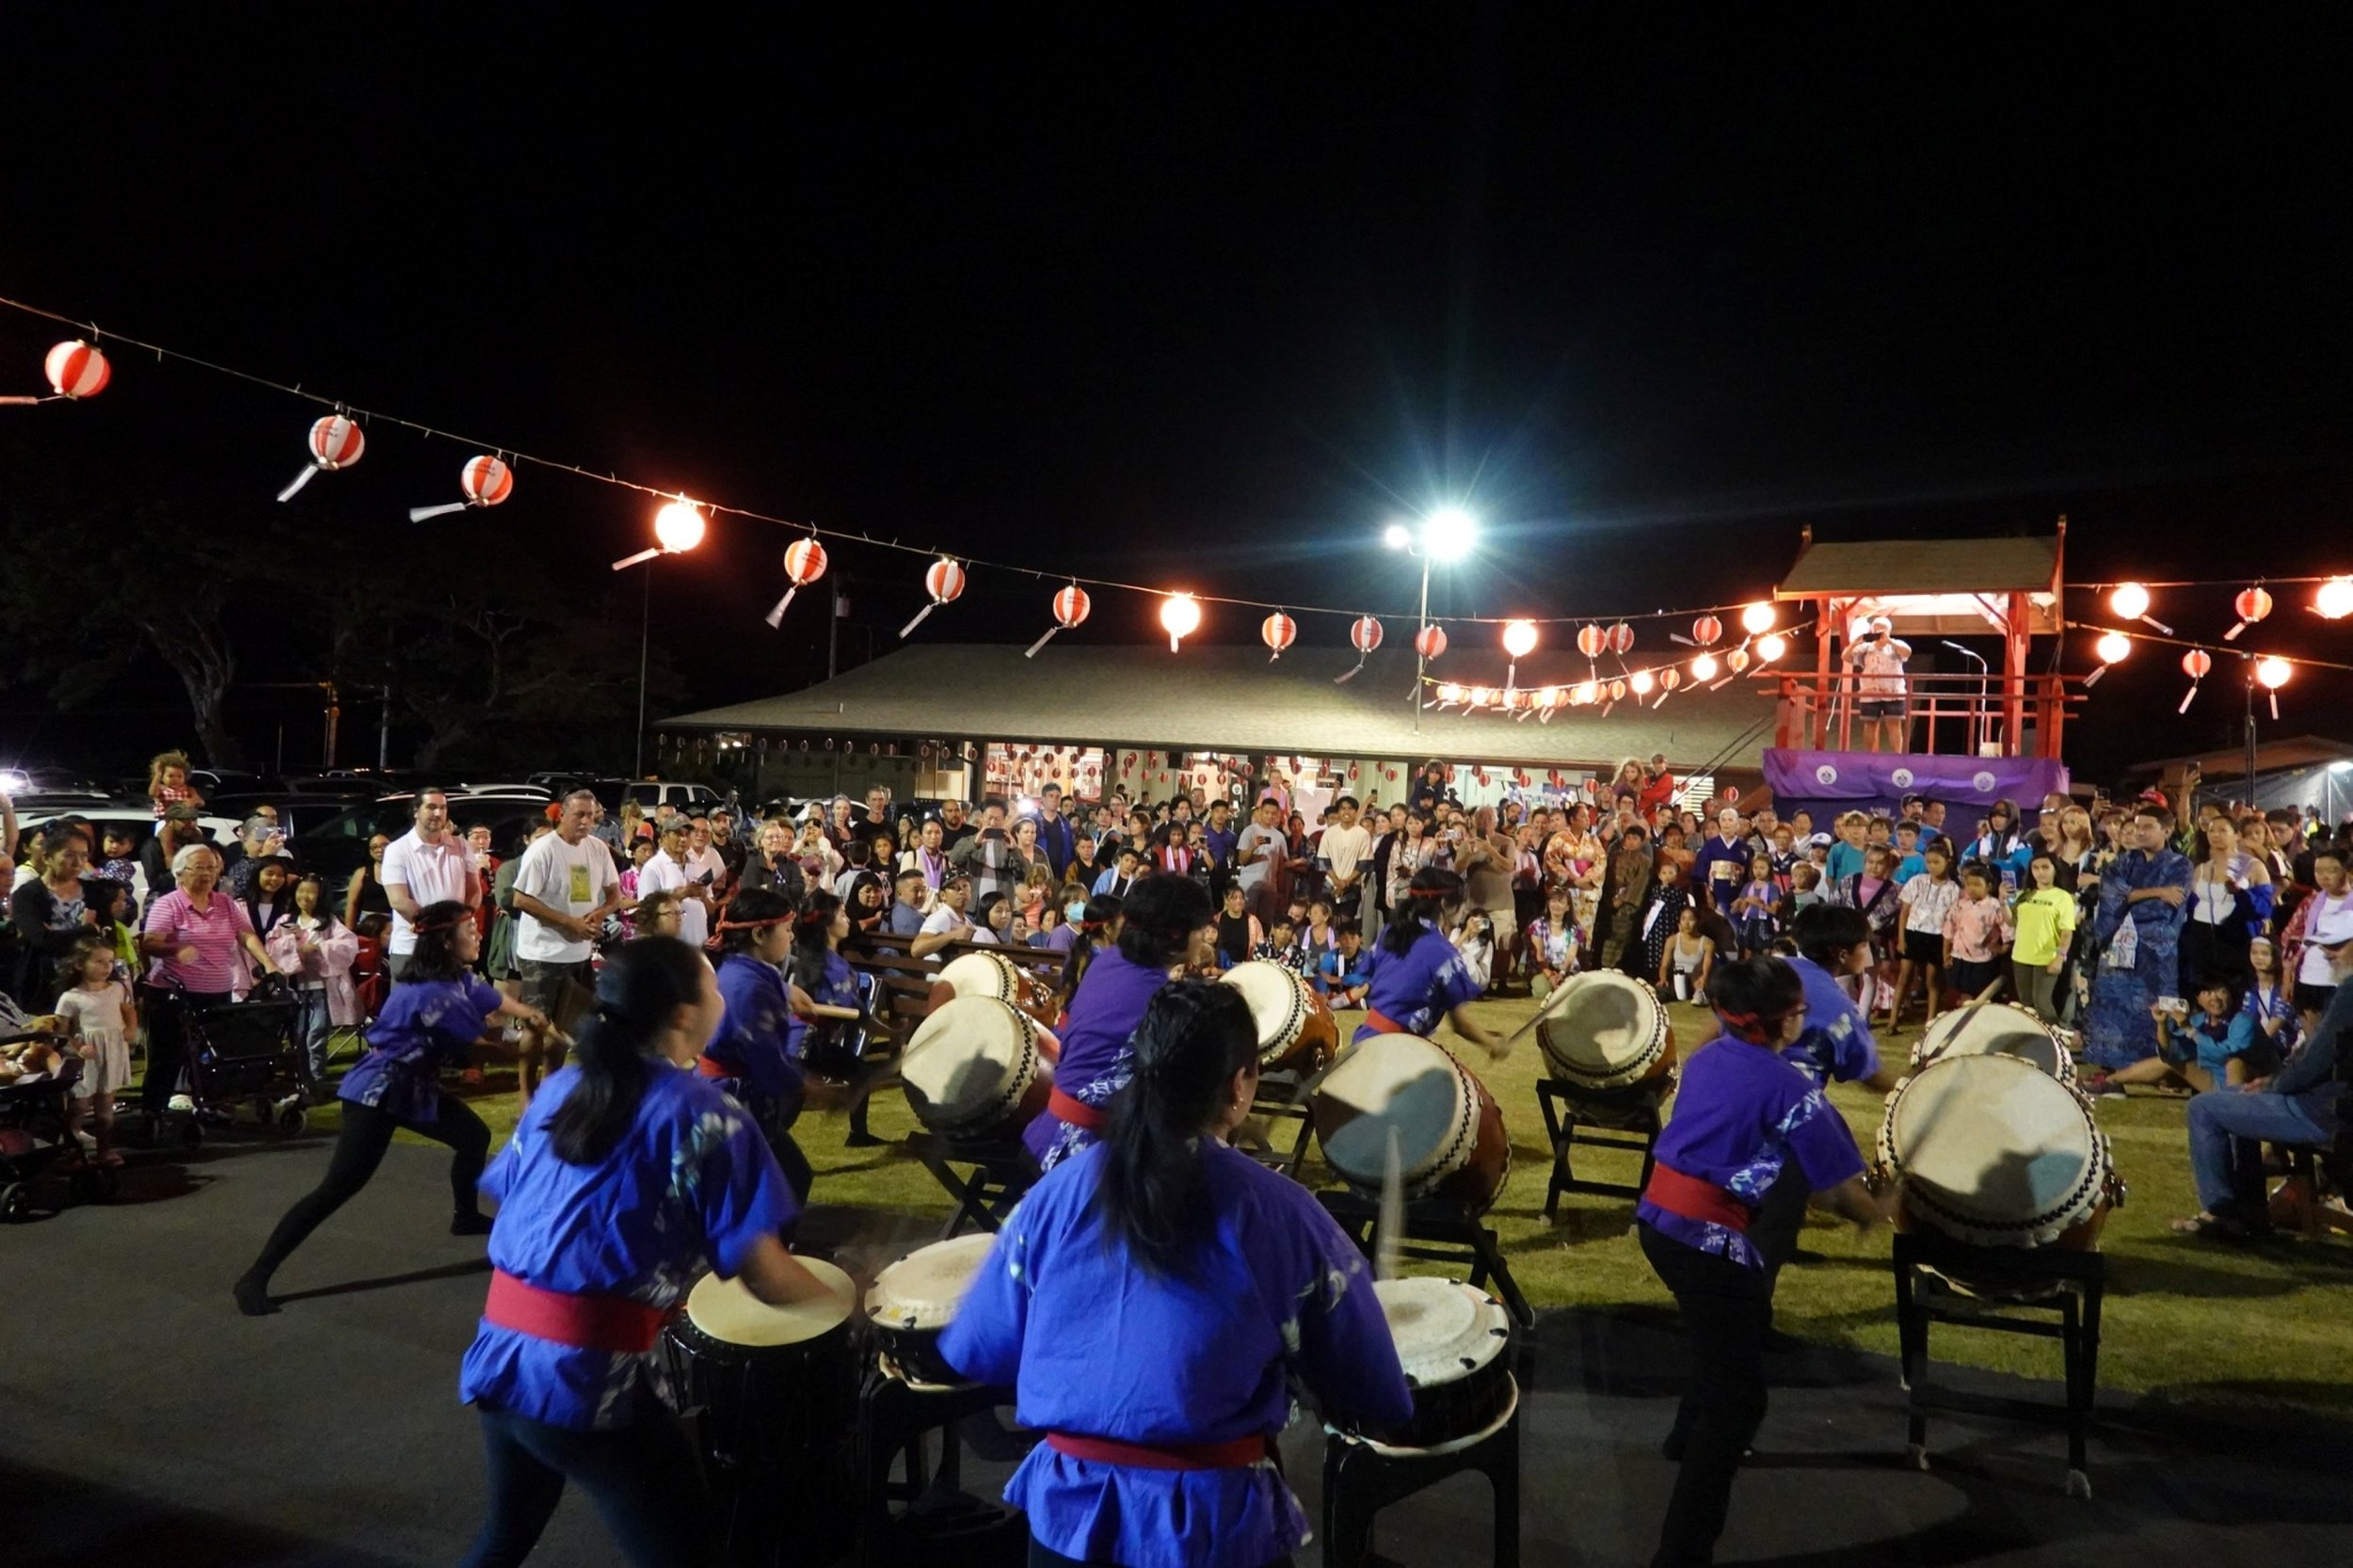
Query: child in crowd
[1552,940]
[2217,1045]
[1317,941]
[168,783]
[1977,935]
[1909,861]
[1475,940]
[118,855]
[640,852]
[106,900]
[1690,955]
[318,950]
[1927,899]
[656,913]
[2044,922]
[103,1015]
[1282,946]
[1334,975]
[2269,1002]
[1786,857]
[1756,909]
[1805,887]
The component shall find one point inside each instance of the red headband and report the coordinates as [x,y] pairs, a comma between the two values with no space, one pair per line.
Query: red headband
[756,925]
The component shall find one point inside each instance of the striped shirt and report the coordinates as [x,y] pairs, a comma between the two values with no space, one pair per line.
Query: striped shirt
[215,932]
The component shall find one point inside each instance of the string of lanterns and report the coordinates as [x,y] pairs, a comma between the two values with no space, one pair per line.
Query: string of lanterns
[2332,599]
[1593,640]
[2270,671]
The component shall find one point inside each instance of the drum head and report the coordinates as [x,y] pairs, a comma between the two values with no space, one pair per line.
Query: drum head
[1400,1082]
[1278,1001]
[1994,1150]
[1995,1028]
[1445,1330]
[980,974]
[1606,1029]
[972,1058]
[921,1290]
[724,1310]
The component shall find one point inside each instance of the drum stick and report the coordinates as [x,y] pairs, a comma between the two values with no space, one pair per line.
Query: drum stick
[1389,1230]
[1539,1016]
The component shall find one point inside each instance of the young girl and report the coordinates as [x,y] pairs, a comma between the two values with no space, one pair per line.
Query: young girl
[1317,939]
[1037,892]
[168,783]
[1690,958]
[2045,922]
[756,1055]
[1473,939]
[1977,934]
[1552,940]
[1238,933]
[1757,911]
[996,920]
[269,897]
[640,851]
[103,1015]
[1927,899]
[106,900]
[318,951]
[2217,1045]
[2269,1002]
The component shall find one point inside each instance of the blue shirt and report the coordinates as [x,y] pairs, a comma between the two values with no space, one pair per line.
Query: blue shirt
[426,1025]
[1742,1114]
[1104,1013]
[759,1038]
[1095,1345]
[1220,842]
[1844,861]
[904,919]
[690,1186]
[2216,1046]
[1418,987]
[1837,1043]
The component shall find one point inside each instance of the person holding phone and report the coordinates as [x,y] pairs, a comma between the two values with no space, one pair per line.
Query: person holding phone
[1881,702]
[667,872]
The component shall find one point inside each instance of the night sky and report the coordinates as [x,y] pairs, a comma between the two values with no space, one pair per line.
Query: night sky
[1203,296]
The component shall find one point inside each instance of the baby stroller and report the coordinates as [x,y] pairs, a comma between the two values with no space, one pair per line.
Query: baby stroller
[35,1143]
[245,1051]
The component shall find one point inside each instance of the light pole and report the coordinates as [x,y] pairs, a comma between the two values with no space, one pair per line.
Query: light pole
[1446,535]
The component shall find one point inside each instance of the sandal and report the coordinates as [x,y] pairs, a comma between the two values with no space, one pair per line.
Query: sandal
[2195,1225]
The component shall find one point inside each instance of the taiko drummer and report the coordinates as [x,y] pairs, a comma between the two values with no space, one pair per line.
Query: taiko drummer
[1148,1302]
[1744,1116]
[625,1180]
[1414,975]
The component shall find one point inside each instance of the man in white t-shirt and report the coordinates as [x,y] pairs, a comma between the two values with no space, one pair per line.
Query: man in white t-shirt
[667,872]
[427,865]
[1346,850]
[564,889]
[946,922]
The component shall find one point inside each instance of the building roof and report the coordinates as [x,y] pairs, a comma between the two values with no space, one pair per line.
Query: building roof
[2280,756]
[1880,567]
[1233,700]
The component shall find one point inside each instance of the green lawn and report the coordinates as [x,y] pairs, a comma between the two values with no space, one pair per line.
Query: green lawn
[2186,1319]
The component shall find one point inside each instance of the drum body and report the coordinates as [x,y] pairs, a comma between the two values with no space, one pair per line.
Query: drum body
[1450,1138]
[766,1387]
[912,1301]
[1608,1031]
[1450,1341]
[989,974]
[1995,1152]
[1297,1032]
[974,1071]
[1995,1028]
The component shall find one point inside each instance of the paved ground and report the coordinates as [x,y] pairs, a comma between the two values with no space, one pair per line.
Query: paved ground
[145,1421]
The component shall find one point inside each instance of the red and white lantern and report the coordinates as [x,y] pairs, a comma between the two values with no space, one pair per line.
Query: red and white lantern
[486,480]
[1430,641]
[1622,639]
[1071,605]
[1278,631]
[1707,630]
[335,443]
[944,580]
[1669,679]
[1591,640]
[2195,664]
[1365,632]
[75,370]
[2252,605]
[803,563]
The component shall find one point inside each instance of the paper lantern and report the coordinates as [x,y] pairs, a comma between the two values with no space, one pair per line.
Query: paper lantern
[1180,617]
[679,526]
[1519,638]
[1772,647]
[2131,601]
[1482,696]
[1071,605]
[1278,631]
[1758,618]
[2195,664]
[77,370]
[2272,674]
[1640,682]
[1707,630]
[2334,600]
[1365,632]
[1584,694]
[1704,667]
[486,480]
[944,580]
[1448,694]
[1669,679]
[803,563]
[2113,647]
[1617,691]
[1591,640]
[335,442]
[1622,639]
[1736,661]
[2252,605]
[1430,641]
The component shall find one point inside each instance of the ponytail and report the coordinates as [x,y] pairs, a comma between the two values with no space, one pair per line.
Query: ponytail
[1195,1035]
[1094,919]
[1754,996]
[1433,888]
[642,984]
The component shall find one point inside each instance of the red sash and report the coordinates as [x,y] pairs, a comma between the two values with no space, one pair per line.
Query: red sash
[708,1069]
[1233,1455]
[608,1323]
[1077,1112]
[1694,1199]
[1382,1023]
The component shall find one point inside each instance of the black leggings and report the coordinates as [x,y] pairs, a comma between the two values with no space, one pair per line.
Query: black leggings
[367,1134]
[1726,1309]
[643,1479]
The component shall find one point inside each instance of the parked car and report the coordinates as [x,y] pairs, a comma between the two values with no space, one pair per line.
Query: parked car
[339,845]
[651,792]
[297,814]
[139,820]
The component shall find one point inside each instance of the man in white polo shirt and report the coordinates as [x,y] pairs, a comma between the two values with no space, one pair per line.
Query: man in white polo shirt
[425,865]
[564,889]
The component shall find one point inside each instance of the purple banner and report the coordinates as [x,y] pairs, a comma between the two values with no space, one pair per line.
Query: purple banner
[1832,781]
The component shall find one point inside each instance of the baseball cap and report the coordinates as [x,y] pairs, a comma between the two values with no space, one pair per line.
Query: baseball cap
[183,813]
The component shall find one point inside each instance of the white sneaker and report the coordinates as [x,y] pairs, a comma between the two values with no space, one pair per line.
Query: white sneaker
[181,1103]
[89,1144]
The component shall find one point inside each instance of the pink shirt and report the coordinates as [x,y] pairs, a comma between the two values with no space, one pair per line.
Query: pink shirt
[1978,928]
[220,966]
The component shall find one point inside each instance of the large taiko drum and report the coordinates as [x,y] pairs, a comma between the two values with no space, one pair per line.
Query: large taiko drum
[1995,1152]
[1449,1130]
[1297,1032]
[912,1301]
[990,974]
[1450,1341]
[765,1387]
[1995,1028]
[1606,1031]
[977,1069]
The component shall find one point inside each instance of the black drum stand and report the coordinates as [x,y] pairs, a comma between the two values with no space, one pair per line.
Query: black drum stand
[1437,1230]
[1359,1480]
[1598,1118]
[1282,1098]
[2050,1293]
[994,1176]
[939,1522]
